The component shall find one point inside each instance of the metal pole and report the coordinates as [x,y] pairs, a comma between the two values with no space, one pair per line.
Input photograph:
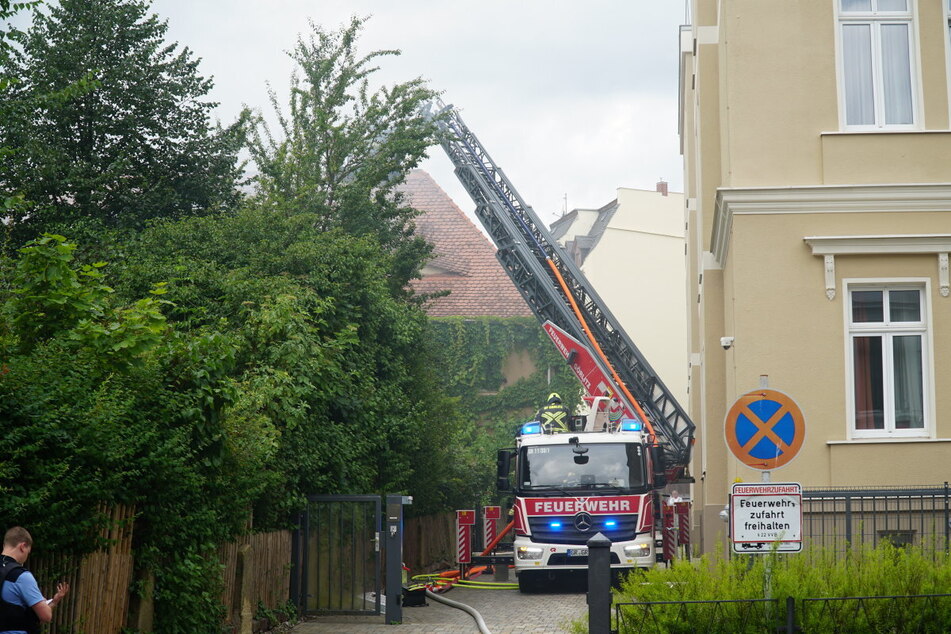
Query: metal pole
[947,519]
[478,543]
[394,557]
[848,518]
[599,585]
[790,615]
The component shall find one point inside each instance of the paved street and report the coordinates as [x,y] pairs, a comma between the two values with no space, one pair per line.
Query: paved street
[504,612]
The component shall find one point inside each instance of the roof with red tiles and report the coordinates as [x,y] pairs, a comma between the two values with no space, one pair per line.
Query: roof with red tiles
[464,260]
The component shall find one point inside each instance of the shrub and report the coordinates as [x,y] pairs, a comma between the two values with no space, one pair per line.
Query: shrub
[863,573]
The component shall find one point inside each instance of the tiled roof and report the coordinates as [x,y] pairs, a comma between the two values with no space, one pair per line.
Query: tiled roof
[464,262]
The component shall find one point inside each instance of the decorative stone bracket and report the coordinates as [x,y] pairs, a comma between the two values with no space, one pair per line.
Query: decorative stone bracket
[830,246]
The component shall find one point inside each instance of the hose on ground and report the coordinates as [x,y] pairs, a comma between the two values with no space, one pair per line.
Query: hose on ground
[461,606]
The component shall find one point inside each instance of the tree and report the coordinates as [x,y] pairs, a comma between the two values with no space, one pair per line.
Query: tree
[102,402]
[330,367]
[345,149]
[113,123]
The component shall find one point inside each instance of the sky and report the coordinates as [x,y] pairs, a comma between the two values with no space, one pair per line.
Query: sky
[571,99]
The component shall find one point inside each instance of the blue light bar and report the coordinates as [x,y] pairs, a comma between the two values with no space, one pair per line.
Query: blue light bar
[610,523]
[629,424]
[555,525]
[531,428]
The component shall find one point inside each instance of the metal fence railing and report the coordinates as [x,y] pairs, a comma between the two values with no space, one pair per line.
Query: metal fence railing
[735,616]
[836,517]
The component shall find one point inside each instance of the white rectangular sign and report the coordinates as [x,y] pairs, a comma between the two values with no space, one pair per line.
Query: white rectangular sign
[765,514]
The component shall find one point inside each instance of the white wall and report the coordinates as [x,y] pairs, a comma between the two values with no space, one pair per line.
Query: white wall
[638,267]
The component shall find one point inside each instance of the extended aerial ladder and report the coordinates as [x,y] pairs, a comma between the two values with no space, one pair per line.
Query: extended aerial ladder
[557,291]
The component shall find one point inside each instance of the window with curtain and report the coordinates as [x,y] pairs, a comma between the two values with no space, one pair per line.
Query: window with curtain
[888,334]
[877,63]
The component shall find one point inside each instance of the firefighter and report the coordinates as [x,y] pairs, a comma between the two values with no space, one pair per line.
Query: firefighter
[554,416]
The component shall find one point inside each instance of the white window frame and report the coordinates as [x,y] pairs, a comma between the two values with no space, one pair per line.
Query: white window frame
[947,44]
[876,19]
[923,328]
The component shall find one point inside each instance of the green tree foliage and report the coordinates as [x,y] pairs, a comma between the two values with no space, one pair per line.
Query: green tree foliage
[343,149]
[334,390]
[469,356]
[231,363]
[111,123]
[101,401]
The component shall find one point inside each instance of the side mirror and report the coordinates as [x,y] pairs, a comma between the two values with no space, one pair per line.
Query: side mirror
[658,466]
[503,465]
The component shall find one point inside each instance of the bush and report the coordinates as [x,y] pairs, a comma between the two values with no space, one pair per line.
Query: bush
[863,572]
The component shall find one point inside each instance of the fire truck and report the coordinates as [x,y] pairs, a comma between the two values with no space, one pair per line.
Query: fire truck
[603,476]
[599,478]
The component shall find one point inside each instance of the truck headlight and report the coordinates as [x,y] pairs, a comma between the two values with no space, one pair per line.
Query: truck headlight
[637,550]
[529,552]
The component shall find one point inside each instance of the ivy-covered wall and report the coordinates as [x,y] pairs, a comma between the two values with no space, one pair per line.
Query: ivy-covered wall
[471,354]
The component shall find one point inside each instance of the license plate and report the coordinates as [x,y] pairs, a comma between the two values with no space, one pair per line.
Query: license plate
[577,552]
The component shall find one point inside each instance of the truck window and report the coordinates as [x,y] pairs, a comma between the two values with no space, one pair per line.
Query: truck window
[615,465]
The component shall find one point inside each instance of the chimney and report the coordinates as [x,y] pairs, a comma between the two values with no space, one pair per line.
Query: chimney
[662,187]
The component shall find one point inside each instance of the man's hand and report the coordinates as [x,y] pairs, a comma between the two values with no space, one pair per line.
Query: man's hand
[62,589]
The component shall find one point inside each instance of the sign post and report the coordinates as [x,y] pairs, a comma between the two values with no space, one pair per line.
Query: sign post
[491,516]
[464,522]
[765,430]
[766,514]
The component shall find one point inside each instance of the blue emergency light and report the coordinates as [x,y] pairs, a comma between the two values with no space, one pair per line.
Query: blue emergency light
[555,525]
[629,424]
[610,523]
[531,428]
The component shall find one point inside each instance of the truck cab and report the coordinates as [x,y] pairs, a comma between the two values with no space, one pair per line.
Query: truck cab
[569,487]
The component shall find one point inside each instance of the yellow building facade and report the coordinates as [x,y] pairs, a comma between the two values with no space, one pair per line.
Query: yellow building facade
[817,157]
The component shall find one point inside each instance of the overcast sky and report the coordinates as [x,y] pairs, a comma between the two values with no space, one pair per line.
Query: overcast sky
[569,98]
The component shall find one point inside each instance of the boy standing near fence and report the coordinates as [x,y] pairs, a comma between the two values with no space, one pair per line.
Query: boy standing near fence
[22,606]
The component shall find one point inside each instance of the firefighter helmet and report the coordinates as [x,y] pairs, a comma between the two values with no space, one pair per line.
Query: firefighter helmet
[554,398]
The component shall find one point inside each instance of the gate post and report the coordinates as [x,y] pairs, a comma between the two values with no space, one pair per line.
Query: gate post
[599,584]
[394,557]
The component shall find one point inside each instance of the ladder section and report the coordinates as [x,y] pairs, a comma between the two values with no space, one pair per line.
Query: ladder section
[528,254]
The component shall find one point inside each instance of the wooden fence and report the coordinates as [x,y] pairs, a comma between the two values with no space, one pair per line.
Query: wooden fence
[265,561]
[99,597]
[255,570]
[429,543]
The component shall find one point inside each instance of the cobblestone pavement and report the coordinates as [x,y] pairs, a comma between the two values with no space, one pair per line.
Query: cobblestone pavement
[504,612]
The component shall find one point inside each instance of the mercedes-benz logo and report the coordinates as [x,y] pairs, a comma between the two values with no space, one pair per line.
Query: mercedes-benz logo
[583,522]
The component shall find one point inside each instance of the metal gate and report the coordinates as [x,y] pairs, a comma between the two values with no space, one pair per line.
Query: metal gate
[336,555]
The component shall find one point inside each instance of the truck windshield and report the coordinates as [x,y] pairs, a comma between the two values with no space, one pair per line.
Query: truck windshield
[616,465]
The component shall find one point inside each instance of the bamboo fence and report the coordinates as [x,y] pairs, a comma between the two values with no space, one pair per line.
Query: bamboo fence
[269,560]
[99,595]
[98,598]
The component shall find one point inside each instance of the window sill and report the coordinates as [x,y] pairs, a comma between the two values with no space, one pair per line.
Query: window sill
[854,131]
[890,440]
